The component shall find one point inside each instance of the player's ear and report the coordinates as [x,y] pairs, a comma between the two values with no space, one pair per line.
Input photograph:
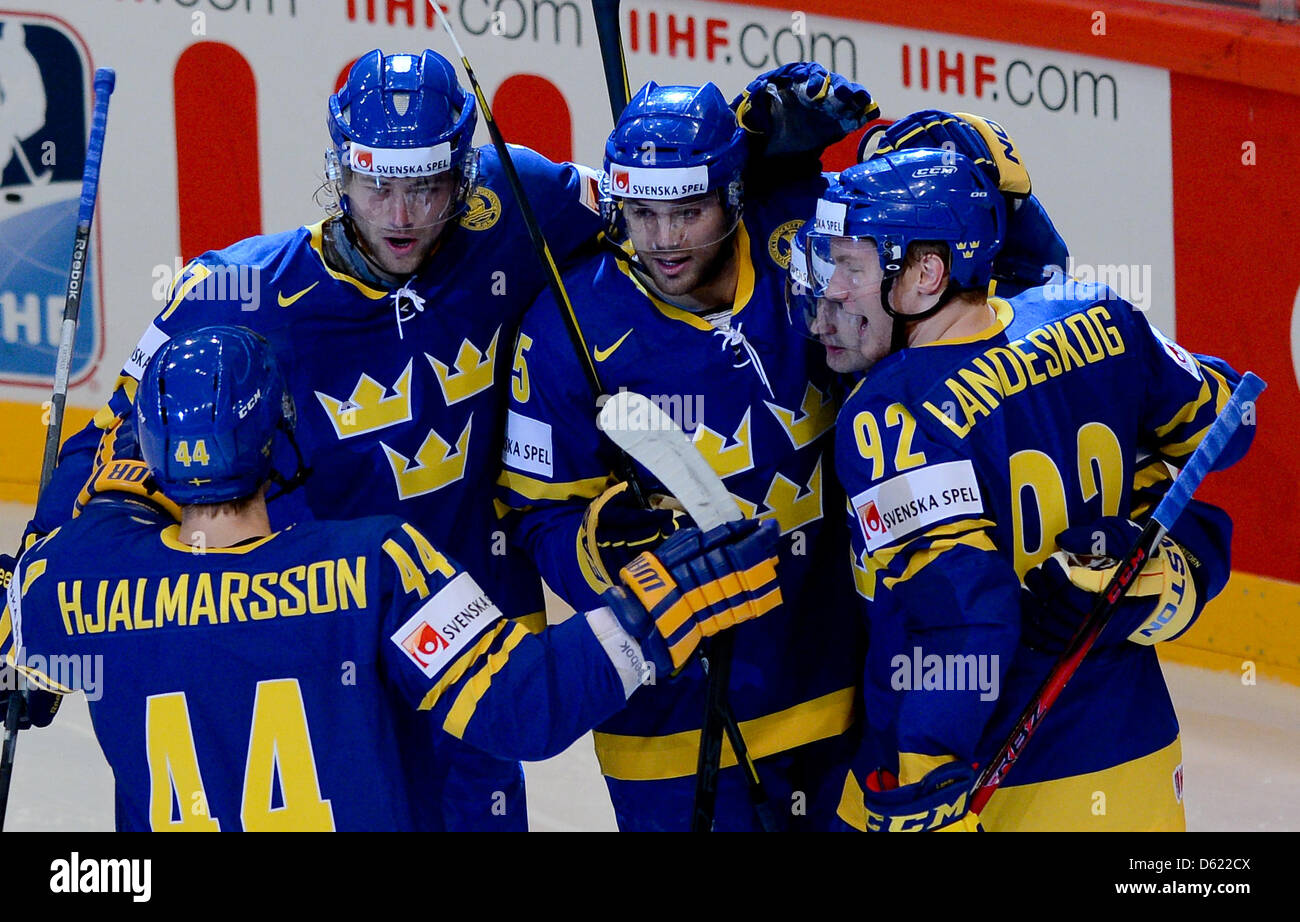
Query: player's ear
[931,274]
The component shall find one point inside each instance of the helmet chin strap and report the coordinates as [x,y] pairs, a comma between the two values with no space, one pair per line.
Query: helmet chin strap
[289,484]
[898,336]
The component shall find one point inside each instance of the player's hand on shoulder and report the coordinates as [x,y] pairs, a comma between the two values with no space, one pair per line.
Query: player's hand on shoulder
[936,803]
[694,586]
[983,140]
[801,107]
[1060,592]
[119,470]
[615,528]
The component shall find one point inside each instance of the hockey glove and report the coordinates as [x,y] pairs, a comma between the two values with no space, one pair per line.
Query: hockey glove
[118,469]
[36,708]
[615,528]
[800,108]
[695,585]
[936,803]
[1061,591]
[985,142]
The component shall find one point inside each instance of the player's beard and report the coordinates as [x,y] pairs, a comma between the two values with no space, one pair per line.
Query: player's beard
[398,253]
[698,272]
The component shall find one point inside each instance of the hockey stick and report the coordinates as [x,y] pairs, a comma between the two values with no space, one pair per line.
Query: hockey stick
[623,467]
[663,449]
[610,37]
[718,651]
[1166,513]
[105,78]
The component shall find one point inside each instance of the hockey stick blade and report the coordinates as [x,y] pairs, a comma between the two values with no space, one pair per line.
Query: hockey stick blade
[659,444]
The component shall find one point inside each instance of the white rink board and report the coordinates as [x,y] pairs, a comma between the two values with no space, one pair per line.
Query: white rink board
[1095,133]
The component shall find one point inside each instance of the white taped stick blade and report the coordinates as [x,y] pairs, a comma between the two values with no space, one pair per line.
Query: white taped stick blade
[638,426]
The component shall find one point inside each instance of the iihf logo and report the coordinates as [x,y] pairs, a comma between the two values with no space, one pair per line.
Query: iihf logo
[44,126]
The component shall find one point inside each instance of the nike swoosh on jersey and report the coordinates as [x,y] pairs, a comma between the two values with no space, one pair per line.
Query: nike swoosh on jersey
[285,302]
[602,354]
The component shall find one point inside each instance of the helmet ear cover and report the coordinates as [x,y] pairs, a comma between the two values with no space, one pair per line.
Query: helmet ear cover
[207,410]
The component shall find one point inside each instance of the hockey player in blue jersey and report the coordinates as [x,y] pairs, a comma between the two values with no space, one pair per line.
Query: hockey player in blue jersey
[685,307]
[990,442]
[311,678]
[393,320]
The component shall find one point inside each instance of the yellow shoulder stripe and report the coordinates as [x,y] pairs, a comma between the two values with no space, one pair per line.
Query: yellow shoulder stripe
[462,710]
[199,273]
[33,570]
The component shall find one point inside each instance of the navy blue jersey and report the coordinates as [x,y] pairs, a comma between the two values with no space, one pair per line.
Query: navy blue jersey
[963,459]
[312,679]
[399,393]
[759,404]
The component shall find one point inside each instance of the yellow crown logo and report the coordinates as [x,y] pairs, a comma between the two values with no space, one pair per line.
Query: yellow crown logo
[726,460]
[473,371]
[817,415]
[963,248]
[368,409]
[435,464]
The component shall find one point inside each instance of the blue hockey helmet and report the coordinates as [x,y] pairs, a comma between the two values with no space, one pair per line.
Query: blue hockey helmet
[674,142]
[207,411]
[932,196]
[906,197]
[402,116]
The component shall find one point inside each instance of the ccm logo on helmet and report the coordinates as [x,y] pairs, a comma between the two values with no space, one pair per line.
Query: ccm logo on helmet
[934,171]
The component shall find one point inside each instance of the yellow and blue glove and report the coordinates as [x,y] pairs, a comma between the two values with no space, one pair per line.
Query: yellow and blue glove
[696,585]
[939,802]
[615,528]
[118,468]
[1061,591]
[801,108]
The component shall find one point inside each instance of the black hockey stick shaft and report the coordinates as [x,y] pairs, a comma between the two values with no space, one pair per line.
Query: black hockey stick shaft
[718,716]
[610,37]
[105,78]
[1162,519]
[623,465]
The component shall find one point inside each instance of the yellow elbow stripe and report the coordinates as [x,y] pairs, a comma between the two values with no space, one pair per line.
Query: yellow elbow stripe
[462,710]
[457,670]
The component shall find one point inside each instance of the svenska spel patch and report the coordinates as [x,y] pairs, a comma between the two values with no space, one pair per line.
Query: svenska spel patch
[907,504]
[528,445]
[399,162]
[658,184]
[1179,355]
[446,625]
